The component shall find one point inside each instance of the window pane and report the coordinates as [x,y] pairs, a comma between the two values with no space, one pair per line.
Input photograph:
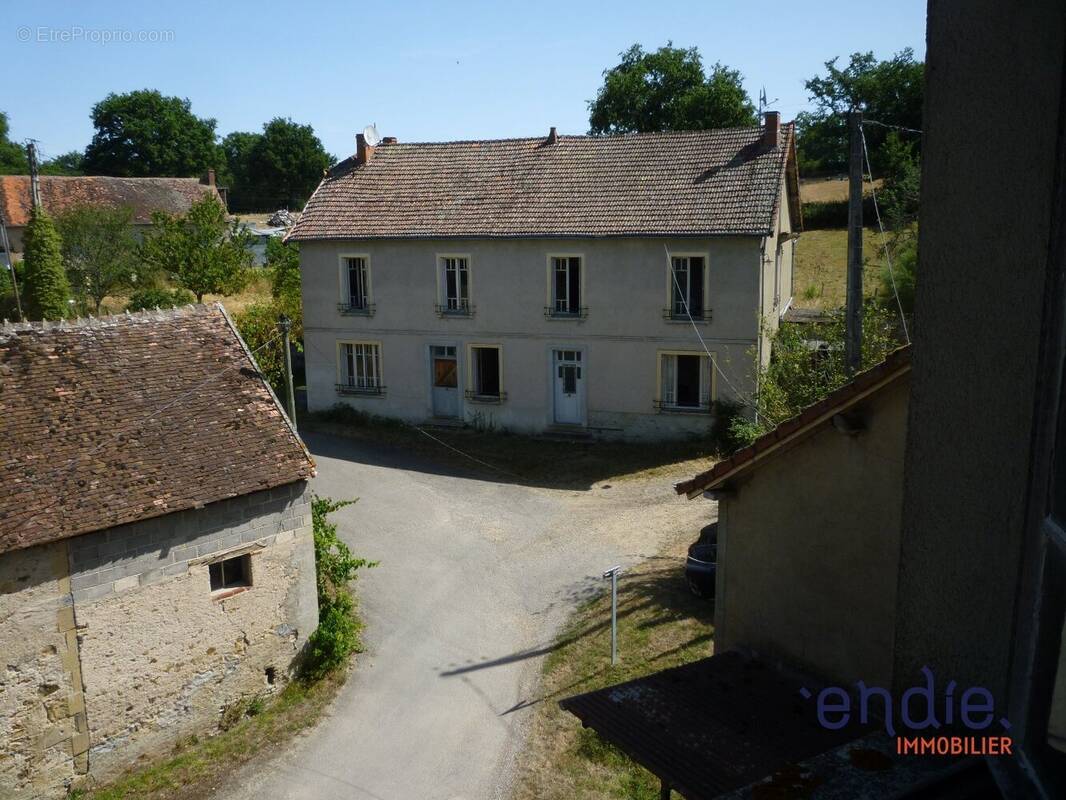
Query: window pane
[575,286]
[695,295]
[561,297]
[680,285]
[688,381]
[669,369]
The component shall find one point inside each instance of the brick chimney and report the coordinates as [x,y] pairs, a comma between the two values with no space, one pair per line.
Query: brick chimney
[553,137]
[209,178]
[771,134]
[363,151]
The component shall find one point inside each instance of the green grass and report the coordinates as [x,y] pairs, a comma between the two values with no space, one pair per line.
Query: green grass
[661,625]
[820,279]
[519,458]
[195,766]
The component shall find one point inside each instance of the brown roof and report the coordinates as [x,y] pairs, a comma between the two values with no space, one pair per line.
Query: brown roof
[680,183]
[864,384]
[59,193]
[713,725]
[118,419]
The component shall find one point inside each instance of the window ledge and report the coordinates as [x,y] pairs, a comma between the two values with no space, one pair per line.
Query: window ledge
[454,313]
[350,311]
[700,410]
[364,391]
[570,316]
[488,399]
[225,594]
[682,319]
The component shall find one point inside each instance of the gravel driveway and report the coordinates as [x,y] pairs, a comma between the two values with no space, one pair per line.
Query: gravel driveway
[475,579]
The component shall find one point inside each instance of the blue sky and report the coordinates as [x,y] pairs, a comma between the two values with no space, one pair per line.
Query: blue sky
[423,71]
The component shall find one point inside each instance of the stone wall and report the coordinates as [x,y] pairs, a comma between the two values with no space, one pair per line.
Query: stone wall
[159,655]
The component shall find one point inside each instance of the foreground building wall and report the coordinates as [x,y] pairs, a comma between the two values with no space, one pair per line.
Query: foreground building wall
[160,655]
[805,573]
[625,289]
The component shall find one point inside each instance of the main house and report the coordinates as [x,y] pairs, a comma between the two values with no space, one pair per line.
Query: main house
[611,284]
[156,555]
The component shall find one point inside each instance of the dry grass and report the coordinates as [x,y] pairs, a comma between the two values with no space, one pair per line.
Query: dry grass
[833,189]
[256,291]
[660,625]
[821,267]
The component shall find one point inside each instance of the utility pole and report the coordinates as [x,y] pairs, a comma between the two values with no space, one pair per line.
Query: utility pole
[285,325]
[35,180]
[612,574]
[853,319]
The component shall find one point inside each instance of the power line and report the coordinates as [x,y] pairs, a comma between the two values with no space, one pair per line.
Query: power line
[884,242]
[891,127]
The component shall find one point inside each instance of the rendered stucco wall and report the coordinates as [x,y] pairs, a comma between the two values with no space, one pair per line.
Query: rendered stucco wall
[43,735]
[809,548]
[625,290]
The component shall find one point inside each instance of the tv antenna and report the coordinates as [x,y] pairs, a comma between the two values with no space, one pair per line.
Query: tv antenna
[763,102]
[370,133]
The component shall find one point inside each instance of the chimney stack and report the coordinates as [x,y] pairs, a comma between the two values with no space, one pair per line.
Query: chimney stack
[209,178]
[771,135]
[363,151]
[553,137]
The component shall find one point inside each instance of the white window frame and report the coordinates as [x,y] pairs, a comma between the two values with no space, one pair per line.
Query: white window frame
[708,382]
[472,376]
[345,293]
[442,285]
[550,298]
[704,313]
[376,387]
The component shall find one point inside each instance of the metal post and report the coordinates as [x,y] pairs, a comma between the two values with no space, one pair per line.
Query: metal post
[853,319]
[5,244]
[285,325]
[612,573]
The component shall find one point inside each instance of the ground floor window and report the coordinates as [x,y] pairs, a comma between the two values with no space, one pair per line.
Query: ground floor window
[230,573]
[360,367]
[685,381]
[486,372]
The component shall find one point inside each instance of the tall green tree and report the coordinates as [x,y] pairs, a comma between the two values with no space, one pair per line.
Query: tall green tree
[99,251]
[144,133]
[12,156]
[669,90]
[278,168]
[45,287]
[200,251]
[888,91]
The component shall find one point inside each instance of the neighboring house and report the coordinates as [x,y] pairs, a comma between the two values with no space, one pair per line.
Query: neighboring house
[809,531]
[156,556]
[549,282]
[261,234]
[144,196]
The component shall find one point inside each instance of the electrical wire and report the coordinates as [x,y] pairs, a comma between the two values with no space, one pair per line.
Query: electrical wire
[891,127]
[884,241]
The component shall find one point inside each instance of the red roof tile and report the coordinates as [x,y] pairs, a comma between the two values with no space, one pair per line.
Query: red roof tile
[59,193]
[897,362]
[119,419]
[683,183]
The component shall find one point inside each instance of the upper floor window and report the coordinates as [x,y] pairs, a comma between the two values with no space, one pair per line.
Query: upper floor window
[454,280]
[359,368]
[355,285]
[687,287]
[685,382]
[565,283]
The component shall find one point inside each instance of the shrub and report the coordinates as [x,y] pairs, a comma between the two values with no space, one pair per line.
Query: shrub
[144,299]
[904,272]
[46,288]
[337,634]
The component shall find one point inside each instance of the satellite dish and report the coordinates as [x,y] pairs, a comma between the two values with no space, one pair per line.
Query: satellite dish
[370,133]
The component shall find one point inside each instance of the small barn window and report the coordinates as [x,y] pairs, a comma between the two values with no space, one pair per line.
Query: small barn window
[231,573]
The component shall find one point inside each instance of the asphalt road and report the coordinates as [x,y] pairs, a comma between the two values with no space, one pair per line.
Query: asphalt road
[474,581]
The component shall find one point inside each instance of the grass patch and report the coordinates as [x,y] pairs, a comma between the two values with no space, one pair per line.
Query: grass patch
[257,291]
[253,726]
[660,625]
[520,458]
[820,278]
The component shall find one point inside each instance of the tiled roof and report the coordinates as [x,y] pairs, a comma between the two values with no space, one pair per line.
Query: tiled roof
[118,419]
[862,385]
[681,183]
[59,193]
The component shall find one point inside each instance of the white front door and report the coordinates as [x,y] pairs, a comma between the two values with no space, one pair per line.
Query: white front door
[444,381]
[568,373]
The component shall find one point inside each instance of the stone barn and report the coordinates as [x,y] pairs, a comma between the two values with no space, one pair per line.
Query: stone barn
[156,554]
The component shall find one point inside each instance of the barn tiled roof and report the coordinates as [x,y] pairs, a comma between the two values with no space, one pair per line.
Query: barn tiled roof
[59,193]
[118,419]
[680,183]
[897,363]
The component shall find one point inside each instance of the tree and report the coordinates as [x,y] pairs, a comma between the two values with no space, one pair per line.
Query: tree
[278,168]
[668,90]
[45,287]
[200,252]
[887,91]
[72,163]
[902,172]
[99,251]
[12,156]
[283,261]
[143,134]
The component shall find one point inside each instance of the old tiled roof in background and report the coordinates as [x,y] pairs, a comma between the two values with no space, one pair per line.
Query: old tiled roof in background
[118,419]
[684,183]
[896,364]
[143,195]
